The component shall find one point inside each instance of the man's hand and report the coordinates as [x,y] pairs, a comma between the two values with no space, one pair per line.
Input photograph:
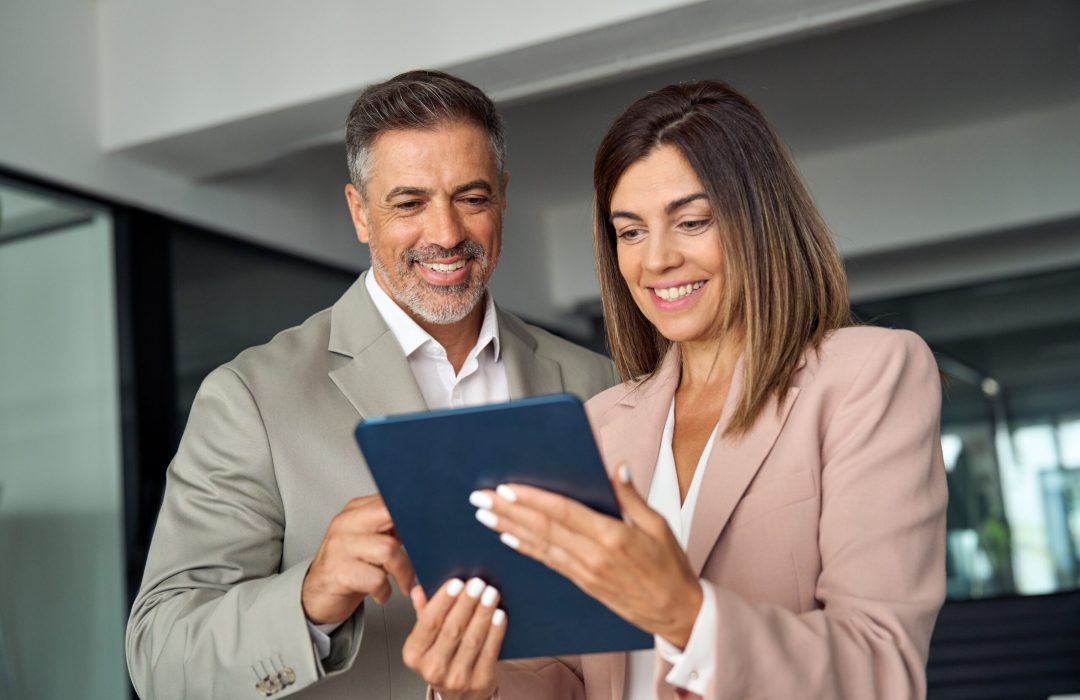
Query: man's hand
[456,640]
[357,557]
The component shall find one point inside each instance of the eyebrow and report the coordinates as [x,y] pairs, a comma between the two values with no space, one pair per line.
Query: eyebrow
[475,185]
[408,191]
[672,206]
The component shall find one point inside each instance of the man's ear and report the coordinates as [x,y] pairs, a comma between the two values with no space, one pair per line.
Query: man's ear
[356,204]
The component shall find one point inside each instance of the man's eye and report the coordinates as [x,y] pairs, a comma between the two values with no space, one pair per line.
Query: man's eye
[475,200]
[410,205]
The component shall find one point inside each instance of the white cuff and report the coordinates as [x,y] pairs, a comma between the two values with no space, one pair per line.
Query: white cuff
[692,667]
[320,637]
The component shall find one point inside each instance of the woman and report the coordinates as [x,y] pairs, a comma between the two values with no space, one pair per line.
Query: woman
[792,540]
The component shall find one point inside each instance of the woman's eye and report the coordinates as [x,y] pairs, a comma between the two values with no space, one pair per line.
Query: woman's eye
[695,225]
[631,235]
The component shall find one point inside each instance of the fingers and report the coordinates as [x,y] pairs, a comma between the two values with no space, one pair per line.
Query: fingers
[475,637]
[581,557]
[399,567]
[429,623]
[353,561]
[457,638]
[484,668]
[365,514]
[457,620]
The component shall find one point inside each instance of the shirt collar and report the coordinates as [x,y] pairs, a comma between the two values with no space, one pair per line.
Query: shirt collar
[411,337]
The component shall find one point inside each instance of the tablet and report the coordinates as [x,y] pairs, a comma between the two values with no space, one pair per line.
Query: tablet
[427,464]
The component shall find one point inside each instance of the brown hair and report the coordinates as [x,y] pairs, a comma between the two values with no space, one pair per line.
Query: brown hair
[418,99]
[784,281]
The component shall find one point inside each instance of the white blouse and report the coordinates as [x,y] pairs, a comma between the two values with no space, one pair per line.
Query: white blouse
[692,666]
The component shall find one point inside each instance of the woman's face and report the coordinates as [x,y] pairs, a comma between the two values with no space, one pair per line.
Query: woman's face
[668,245]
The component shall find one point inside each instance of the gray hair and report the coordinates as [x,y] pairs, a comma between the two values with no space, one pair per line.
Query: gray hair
[419,99]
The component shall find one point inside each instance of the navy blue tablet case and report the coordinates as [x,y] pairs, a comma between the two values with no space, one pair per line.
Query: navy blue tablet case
[425,466]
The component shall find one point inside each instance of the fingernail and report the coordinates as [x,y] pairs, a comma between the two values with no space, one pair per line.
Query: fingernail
[474,588]
[498,618]
[509,540]
[487,517]
[624,474]
[488,599]
[506,493]
[454,587]
[480,499]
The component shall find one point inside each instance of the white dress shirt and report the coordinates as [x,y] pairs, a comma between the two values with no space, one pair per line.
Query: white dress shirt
[482,378]
[692,666]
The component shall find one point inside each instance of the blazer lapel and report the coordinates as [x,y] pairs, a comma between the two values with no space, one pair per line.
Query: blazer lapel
[527,374]
[632,429]
[630,434]
[377,379]
[731,467]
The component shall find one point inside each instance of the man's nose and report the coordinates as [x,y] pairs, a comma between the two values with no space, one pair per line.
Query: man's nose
[447,229]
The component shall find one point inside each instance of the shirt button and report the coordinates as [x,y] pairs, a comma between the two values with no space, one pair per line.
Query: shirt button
[693,675]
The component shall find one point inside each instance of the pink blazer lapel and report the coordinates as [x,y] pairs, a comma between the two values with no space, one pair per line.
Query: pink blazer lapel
[731,467]
[630,434]
[631,430]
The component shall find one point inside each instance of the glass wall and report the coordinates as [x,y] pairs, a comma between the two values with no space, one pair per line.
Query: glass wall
[1010,352]
[228,295]
[62,596]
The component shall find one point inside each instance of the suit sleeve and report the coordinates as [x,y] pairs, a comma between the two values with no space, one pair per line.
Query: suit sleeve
[215,614]
[882,548]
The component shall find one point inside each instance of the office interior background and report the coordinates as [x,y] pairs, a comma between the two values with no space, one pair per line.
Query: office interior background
[171,183]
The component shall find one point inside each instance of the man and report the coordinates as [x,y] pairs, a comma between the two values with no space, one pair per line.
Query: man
[271,537]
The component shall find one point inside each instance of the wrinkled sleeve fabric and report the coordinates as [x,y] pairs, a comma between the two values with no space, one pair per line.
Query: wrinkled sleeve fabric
[215,613]
[881,537]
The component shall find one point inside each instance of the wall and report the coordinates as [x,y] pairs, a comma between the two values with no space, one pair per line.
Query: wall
[50,128]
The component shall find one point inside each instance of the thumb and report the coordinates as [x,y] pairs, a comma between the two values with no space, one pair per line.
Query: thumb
[419,600]
[635,509]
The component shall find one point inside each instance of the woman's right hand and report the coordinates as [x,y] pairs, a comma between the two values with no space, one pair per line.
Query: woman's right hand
[456,640]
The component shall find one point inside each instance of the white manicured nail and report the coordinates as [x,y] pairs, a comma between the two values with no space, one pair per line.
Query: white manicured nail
[488,599]
[624,474]
[509,540]
[487,517]
[480,499]
[475,587]
[498,618]
[506,493]
[454,587]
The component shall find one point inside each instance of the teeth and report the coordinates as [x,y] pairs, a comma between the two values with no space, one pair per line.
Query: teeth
[440,267]
[673,293]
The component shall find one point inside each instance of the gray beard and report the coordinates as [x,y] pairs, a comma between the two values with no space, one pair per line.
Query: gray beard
[456,301]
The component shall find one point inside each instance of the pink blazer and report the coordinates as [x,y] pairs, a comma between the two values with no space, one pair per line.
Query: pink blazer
[821,530]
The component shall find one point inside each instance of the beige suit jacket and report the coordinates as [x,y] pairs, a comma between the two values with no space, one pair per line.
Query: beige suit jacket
[821,531]
[266,460]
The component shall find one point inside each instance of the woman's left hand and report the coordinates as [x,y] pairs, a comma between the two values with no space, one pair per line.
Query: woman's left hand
[634,566]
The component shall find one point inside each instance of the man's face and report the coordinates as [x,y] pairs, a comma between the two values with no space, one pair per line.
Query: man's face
[432,214]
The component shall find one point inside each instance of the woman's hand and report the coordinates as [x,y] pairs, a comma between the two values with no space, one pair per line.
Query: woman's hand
[456,640]
[634,566]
